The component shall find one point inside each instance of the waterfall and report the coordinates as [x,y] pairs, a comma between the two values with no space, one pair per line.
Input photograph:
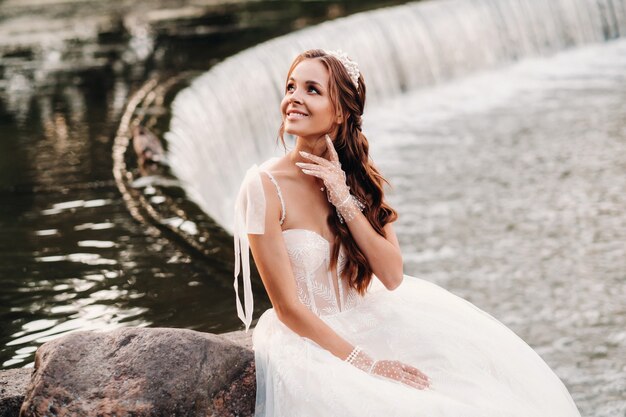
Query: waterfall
[228,118]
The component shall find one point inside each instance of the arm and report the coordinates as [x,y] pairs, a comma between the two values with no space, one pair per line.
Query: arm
[272,261]
[382,252]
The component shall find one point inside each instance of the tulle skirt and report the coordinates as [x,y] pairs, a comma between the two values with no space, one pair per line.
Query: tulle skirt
[477,366]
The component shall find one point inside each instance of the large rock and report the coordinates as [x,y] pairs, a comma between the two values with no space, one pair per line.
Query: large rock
[141,372]
[13,383]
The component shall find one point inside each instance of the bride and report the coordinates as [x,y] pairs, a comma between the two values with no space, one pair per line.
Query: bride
[349,333]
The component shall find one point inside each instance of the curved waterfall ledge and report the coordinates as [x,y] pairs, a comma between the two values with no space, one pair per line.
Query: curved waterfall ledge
[228,118]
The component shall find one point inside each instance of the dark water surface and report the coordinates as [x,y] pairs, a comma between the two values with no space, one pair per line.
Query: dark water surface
[71,255]
[509,182]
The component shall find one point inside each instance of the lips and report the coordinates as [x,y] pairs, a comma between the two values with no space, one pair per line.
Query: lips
[294,111]
[295,115]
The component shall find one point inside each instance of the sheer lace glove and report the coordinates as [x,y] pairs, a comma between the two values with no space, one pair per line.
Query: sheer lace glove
[395,370]
[337,191]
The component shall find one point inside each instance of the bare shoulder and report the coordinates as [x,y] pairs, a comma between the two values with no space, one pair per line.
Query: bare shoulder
[282,169]
[272,201]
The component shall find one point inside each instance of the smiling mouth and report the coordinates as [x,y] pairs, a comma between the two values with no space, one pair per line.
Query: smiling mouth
[296,115]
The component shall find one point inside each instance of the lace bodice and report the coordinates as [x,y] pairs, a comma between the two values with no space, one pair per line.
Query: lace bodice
[322,291]
[319,289]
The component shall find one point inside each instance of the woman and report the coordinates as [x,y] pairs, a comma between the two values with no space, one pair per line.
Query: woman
[349,334]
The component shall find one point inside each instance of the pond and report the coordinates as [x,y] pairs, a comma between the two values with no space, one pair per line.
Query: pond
[509,181]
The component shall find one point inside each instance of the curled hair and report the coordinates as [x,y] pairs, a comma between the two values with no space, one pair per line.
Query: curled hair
[365,181]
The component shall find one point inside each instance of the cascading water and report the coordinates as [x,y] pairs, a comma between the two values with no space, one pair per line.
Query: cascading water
[228,118]
[508,179]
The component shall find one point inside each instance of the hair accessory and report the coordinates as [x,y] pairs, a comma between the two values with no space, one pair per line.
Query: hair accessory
[350,66]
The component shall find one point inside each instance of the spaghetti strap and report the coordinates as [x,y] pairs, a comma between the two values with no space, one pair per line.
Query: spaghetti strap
[280,196]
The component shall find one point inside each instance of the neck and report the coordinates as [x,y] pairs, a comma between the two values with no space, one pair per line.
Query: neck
[315,146]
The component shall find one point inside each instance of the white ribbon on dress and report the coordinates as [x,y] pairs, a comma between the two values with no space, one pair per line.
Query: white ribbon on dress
[249,219]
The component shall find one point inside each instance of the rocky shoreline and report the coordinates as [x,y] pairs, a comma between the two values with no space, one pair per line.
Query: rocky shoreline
[135,371]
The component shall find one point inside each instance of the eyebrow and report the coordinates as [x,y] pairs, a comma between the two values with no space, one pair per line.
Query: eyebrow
[308,81]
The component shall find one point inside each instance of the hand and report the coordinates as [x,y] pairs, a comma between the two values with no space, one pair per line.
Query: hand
[391,369]
[329,171]
[401,372]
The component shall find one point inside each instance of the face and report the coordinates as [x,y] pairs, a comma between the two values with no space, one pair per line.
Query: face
[307,92]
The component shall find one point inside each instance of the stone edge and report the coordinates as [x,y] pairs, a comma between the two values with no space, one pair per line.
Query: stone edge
[13,382]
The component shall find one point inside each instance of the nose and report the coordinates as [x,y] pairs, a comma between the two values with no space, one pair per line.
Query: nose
[295,97]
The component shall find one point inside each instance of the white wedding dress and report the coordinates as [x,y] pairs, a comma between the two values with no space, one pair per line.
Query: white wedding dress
[477,366]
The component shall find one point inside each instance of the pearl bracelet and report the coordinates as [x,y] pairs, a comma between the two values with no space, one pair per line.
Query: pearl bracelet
[352,356]
[347,212]
[344,201]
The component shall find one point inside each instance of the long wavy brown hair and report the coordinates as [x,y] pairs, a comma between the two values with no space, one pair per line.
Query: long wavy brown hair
[365,181]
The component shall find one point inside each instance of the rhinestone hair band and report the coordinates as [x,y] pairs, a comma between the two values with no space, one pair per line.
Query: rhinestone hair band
[349,65]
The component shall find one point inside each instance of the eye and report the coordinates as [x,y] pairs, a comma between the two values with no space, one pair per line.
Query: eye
[310,88]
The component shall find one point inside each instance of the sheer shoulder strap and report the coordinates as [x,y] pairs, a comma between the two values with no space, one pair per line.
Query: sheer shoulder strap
[283,213]
[249,218]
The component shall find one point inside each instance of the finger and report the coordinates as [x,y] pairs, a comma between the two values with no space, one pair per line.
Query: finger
[419,379]
[316,158]
[316,168]
[313,173]
[422,383]
[309,166]
[414,371]
[423,377]
[331,149]
[414,384]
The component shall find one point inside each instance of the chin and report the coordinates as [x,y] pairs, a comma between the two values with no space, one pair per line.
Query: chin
[296,132]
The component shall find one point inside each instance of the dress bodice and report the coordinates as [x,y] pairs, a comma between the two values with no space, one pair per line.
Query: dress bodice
[318,288]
